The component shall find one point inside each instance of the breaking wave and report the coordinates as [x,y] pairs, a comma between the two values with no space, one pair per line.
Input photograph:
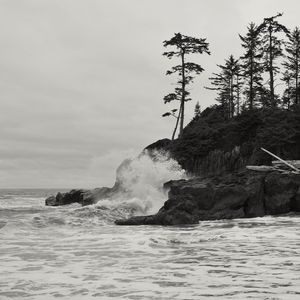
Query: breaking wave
[139,191]
[141,182]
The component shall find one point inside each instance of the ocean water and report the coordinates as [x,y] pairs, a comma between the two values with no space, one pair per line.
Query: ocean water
[74,252]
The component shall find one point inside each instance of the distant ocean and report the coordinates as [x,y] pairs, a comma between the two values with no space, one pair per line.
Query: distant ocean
[74,252]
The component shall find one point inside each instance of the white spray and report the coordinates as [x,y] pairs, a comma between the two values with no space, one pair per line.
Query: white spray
[142,180]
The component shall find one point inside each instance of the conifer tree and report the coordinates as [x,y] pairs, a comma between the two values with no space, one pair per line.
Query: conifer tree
[272,48]
[228,85]
[288,92]
[292,63]
[238,85]
[186,71]
[251,65]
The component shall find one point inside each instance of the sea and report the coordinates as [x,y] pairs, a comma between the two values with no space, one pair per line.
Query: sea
[74,252]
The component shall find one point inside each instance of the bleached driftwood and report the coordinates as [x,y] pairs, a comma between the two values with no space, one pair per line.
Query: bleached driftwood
[278,163]
[261,168]
[283,161]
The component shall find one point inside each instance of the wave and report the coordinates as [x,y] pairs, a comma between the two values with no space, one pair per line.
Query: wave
[140,181]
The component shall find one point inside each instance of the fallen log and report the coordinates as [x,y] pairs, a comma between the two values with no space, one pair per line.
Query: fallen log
[261,168]
[283,161]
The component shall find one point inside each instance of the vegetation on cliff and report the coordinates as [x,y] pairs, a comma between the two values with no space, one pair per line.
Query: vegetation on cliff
[253,112]
[277,130]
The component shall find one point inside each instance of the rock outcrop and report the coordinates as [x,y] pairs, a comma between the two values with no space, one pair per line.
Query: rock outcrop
[241,195]
[88,197]
[83,197]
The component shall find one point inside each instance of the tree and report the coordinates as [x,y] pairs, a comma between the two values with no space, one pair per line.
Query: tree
[288,92]
[197,110]
[186,71]
[292,63]
[238,85]
[272,48]
[228,85]
[251,64]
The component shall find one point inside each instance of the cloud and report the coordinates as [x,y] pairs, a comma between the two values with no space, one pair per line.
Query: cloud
[82,82]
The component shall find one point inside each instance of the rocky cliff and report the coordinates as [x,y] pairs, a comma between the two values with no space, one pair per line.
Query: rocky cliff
[239,195]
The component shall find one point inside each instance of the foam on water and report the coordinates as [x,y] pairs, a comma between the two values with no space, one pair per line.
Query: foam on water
[74,252]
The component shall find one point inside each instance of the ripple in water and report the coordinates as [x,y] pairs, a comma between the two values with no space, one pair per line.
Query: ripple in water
[76,252]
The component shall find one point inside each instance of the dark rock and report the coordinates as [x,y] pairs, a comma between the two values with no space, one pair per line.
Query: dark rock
[176,218]
[254,206]
[295,205]
[240,195]
[74,196]
[280,190]
[51,201]
[159,145]
[167,185]
[83,197]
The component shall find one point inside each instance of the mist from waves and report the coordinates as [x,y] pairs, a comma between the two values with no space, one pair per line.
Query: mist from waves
[141,182]
[140,191]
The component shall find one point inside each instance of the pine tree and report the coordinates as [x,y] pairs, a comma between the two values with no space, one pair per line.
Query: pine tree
[251,65]
[292,64]
[272,48]
[288,92]
[186,71]
[228,85]
[238,85]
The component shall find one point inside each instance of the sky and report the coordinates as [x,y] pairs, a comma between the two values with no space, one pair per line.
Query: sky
[82,81]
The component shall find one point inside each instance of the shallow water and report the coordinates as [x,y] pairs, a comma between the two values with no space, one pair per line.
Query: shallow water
[78,253]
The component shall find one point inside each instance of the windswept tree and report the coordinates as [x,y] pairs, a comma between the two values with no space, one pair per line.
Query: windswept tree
[183,45]
[228,84]
[251,65]
[292,65]
[272,48]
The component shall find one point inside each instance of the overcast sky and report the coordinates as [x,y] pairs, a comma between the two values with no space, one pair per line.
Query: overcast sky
[82,81]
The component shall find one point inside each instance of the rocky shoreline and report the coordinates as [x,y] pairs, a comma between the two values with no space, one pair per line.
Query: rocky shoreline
[244,194]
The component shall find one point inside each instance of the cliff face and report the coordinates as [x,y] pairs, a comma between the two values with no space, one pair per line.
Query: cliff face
[217,162]
[240,195]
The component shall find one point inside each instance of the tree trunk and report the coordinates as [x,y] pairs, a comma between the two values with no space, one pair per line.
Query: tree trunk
[238,94]
[251,96]
[176,126]
[183,94]
[273,104]
[231,98]
[297,90]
